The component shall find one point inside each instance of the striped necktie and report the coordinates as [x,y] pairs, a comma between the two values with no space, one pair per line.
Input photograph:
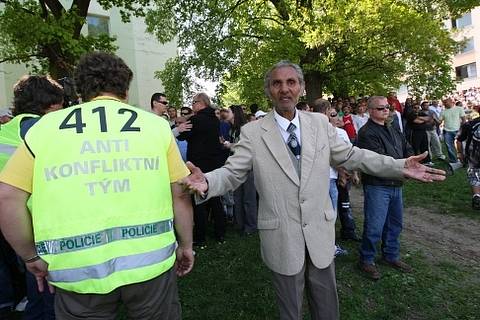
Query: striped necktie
[292,141]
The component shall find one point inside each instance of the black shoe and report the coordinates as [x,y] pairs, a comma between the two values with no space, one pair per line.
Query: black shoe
[200,245]
[476,202]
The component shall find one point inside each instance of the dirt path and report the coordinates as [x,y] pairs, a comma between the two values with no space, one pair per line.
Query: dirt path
[439,237]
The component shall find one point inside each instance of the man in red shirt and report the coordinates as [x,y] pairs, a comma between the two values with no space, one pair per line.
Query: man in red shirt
[348,123]
[393,101]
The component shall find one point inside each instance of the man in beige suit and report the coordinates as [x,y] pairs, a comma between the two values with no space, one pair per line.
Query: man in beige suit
[290,152]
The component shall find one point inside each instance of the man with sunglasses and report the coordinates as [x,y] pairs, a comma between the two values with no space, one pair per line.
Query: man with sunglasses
[383,207]
[159,103]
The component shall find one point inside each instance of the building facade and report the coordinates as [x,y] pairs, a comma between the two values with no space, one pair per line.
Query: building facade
[467,61]
[140,50]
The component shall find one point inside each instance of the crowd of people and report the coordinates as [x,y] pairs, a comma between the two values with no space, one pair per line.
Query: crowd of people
[98,207]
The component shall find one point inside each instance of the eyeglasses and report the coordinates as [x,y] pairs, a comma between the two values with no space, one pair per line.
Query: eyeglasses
[184,113]
[333,115]
[165,103]
[382,108]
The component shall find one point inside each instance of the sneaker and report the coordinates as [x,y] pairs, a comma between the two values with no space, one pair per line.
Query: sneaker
[369,270]
[399,265]
[221,240]
[476,202]
[442,157]
[339,251]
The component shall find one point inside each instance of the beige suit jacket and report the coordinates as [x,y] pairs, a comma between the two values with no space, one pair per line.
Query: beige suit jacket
[295,213]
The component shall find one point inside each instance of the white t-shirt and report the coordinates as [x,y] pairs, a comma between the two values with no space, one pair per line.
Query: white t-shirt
[343,134]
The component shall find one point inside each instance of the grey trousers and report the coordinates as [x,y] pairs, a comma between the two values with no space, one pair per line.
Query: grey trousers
[321,292]
[152,299]
[434,146]
[245,207]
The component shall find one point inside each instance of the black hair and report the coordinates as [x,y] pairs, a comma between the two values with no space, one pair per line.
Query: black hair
[155,97]
[35,94]
[239,119]
[101,72]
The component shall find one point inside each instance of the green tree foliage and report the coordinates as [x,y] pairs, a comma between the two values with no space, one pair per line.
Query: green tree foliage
[175,80]
[46,34]
[343,46]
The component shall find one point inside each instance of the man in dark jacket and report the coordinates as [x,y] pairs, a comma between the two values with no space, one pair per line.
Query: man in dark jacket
[383,207]
[205,150]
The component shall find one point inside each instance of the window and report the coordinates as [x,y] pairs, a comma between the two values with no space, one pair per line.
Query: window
[463,21]
[469,46]
[97,25]
[466,71]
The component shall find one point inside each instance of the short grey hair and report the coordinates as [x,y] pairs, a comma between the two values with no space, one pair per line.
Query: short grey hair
[278,65]
[372,102]
[202,96]
[321,105]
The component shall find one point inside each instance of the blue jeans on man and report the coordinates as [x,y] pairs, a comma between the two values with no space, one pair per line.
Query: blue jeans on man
[449,138]
[383,208]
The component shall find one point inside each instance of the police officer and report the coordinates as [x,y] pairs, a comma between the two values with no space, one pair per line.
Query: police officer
[104,202]
[33,97]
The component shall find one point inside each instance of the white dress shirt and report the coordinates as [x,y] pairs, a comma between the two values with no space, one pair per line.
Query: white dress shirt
[283,124]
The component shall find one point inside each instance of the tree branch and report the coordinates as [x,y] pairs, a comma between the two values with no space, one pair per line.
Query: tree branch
[281,9]
[56,7]
[44,9]
[81,7]
[19,58]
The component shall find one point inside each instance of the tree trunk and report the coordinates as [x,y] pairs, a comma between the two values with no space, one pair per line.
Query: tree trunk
[59,66]
[313,85]
[314,80]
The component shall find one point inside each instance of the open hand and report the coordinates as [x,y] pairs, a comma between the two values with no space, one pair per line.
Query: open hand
[196,181]
[415,170]
[185,126]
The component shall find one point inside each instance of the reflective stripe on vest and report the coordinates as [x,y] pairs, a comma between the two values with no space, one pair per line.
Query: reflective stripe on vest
[100,238]
[7,148]
[103,270]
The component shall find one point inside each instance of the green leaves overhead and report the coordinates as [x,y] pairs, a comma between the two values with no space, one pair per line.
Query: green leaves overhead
[46,35]
[344,47]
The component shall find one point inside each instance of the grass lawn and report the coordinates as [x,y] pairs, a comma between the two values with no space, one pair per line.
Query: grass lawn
[452,196]
[230,282]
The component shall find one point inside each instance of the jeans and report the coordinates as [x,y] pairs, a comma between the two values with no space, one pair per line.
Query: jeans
[449,137]
[383,208]
[40,305]
[333,192]
[8,285]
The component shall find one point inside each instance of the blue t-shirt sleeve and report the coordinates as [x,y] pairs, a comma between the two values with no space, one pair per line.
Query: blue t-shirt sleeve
[26,124]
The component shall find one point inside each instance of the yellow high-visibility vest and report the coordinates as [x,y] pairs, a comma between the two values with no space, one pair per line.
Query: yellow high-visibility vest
[10,137]
[102,205]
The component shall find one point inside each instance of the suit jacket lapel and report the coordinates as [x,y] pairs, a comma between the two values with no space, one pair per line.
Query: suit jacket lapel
[309,141]
[274,142]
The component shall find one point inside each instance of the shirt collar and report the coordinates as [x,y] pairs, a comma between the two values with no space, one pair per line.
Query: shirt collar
[284,122]
[106,98]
